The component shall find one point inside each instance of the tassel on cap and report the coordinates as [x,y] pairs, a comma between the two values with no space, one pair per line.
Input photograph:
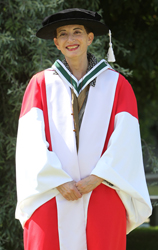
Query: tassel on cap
[111,56]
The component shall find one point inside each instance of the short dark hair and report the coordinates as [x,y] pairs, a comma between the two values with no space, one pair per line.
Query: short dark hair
[88,30]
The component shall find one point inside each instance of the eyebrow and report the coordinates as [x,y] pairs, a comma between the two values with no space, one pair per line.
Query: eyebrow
[73,29]
[77,29]
[61,30]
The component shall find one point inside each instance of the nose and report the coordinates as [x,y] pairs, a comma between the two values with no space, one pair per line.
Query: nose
[71,38]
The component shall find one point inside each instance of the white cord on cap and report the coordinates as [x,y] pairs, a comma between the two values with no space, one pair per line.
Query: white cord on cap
[111,56]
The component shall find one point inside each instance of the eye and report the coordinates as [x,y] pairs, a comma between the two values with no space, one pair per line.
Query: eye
[62,34]
[77,32]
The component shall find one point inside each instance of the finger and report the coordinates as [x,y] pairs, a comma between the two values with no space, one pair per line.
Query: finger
[80,190]
[71,195]
[75,194]
[69,191]
[74,197]
[78,193]
[80,186]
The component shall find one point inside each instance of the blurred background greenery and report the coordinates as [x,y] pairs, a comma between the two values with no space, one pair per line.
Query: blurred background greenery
[134,26]
[143,239]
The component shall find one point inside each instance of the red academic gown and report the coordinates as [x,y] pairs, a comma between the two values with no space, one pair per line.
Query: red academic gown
[115,207]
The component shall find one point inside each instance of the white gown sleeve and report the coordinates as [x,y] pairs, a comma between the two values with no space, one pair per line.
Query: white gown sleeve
[121,165]
[38,170]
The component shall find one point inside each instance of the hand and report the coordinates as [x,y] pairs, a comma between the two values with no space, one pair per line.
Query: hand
[89,183]
[69,191]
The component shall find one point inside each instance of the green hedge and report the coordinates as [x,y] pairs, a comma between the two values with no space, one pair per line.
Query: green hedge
[143,239]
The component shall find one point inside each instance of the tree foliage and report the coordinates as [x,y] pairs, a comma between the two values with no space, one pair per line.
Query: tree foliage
[22,54]
[135,24]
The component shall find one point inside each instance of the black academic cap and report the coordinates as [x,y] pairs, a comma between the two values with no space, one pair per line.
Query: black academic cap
[88,18]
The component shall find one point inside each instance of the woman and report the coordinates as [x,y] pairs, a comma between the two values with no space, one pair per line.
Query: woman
[80,177]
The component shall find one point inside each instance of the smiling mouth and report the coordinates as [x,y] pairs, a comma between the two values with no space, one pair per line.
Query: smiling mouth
[72,47]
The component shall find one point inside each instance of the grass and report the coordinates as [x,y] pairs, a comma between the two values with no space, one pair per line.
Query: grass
[143,239]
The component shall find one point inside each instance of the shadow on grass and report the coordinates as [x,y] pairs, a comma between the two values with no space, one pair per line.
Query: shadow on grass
[143,239]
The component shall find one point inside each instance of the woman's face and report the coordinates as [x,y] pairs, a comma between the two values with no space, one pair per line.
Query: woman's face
[73,40]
